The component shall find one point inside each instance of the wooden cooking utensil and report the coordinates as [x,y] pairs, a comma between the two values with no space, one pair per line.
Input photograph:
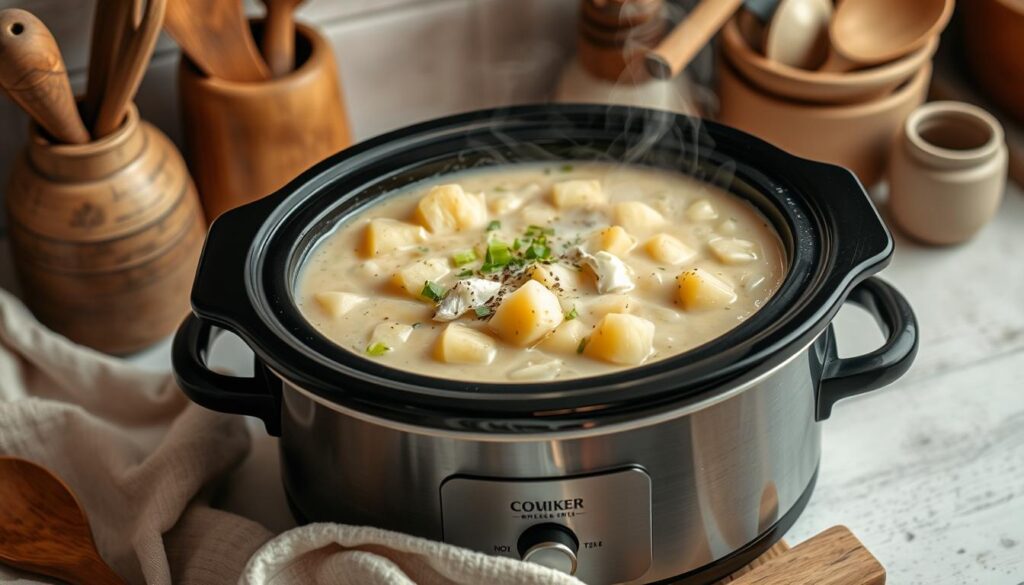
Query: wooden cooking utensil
[798,33]
[870,32]
[279,36]
[32,72]
[216,37]
[676,50]
[108,30]
[131,66]
[43,528]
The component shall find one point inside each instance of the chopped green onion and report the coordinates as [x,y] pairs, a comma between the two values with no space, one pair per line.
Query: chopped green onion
[464,257]
[516,244]
[500,189]
[465,273]
[432,291]
[482,311]
[498,254]
[536,230]
[377,349]
[494,225]
[538,251]
[566,168]
[572,314]
[582,345]
[423,249]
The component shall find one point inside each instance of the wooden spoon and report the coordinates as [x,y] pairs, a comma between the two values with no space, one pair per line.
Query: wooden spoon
[131,66]
[43,528]
[279,36]
[798,33]
[108,32]
[870,32]
[675,51]
[216,37]
[33,73]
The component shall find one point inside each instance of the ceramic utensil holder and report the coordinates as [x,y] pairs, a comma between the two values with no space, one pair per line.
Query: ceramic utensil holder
[947,173]
[247,140]
[105,236]
[856,136]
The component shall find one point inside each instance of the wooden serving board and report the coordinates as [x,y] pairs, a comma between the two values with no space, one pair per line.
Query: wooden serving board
[834,557]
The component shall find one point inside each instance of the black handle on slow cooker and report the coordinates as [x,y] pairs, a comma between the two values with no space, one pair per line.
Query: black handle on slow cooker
[844,377]
[220,392]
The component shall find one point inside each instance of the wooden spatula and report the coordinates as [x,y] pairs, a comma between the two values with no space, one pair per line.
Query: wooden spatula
[279,36]
[108,30]
[32,71]
[44,530]
[216,37]
[124,79]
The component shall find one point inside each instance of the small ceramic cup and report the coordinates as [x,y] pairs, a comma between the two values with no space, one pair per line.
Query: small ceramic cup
[947,172]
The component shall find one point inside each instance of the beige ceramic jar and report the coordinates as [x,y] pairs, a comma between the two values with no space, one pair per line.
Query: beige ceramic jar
[947,172]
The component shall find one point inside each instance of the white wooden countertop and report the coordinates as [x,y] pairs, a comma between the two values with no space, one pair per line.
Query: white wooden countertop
[928,472]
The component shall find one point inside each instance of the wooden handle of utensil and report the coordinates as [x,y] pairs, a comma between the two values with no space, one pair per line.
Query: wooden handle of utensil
[279,38]
[112,21]
[33,73]
[834,557]
[127,76]
[675,51]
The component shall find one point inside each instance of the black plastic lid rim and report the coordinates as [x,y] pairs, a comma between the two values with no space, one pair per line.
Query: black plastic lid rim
[837,240]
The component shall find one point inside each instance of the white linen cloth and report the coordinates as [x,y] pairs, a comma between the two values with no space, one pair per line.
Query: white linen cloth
[144,463]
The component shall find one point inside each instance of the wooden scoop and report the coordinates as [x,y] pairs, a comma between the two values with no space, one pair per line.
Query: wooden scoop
[871,32]
[33,73]
[216,37]
[43,528]
[279,36]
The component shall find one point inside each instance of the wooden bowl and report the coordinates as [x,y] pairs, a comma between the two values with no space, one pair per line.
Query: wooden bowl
[823,87]
[855,136]
[994,40]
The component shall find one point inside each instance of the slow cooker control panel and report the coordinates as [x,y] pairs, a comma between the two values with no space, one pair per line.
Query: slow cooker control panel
[597,527]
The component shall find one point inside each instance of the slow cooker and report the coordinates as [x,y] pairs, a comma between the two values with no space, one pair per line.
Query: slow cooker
[682,470]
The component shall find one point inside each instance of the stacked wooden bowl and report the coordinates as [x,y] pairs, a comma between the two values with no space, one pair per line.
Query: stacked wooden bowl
[844,117]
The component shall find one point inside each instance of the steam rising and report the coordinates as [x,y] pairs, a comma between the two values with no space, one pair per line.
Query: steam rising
[522,58]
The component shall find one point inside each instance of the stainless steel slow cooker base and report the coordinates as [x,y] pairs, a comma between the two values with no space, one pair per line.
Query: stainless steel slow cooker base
[647,500]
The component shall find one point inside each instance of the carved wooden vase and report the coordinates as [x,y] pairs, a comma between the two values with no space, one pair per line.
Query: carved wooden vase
[106,236]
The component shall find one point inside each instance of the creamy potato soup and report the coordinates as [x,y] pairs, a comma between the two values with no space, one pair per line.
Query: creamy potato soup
[528,273]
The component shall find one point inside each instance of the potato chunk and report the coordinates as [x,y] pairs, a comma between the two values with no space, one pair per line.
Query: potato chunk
[587,194]
[565,338]
[447,208]
[733,251]
[337,304]
[598,307]
[701,210]
[507,203]
[527,314]
[412,277]
[383,236]
[669,250]
[557,277]
[615,239]
[459,344]
[391,334]
[621,339]
[699,289]
[637,217]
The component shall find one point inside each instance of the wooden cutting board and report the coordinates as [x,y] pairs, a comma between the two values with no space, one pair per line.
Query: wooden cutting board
[834,557]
